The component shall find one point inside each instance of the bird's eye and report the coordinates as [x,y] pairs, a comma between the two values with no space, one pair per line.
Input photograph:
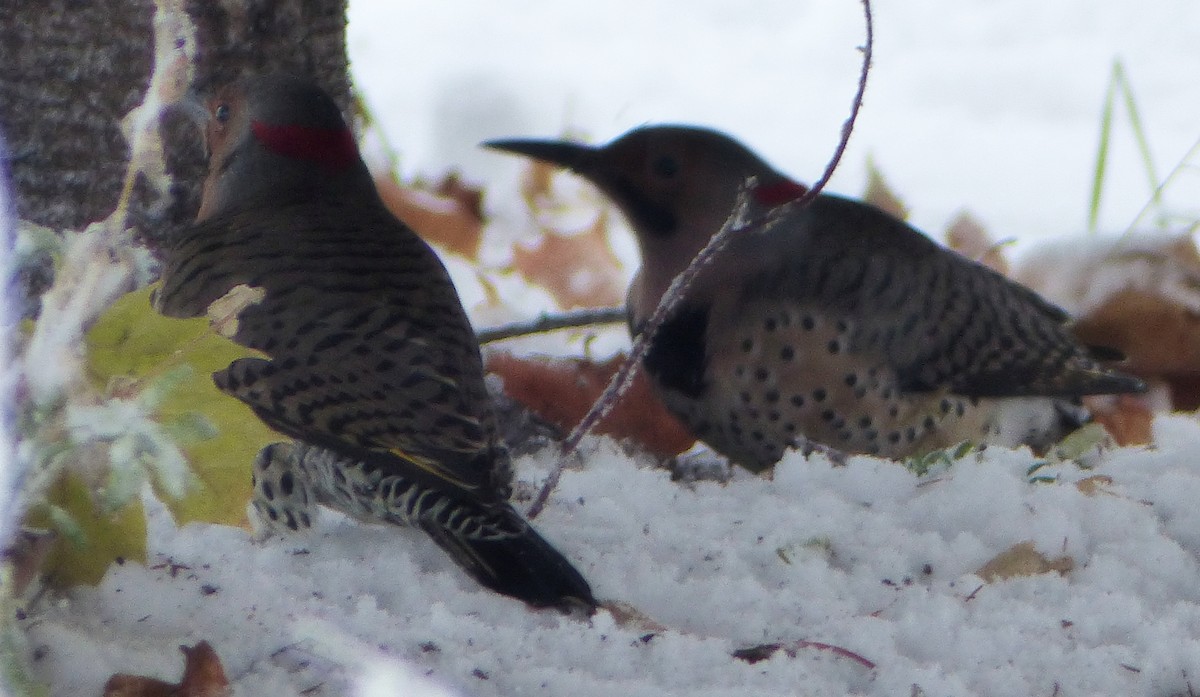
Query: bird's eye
[221,113]
[665,167]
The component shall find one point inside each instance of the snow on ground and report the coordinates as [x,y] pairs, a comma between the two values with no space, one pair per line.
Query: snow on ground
[869,558]
[987,105]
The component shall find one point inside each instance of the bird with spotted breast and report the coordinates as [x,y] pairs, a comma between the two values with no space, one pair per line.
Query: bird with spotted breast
[838,326]
[370,361]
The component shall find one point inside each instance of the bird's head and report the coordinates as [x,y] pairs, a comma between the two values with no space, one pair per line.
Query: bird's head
[677,185]
[274,138]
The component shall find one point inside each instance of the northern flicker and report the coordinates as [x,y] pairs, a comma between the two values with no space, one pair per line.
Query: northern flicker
[372,366]
[838,326]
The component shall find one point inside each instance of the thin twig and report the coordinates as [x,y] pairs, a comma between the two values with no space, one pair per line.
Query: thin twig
[762,652]
[796,647]
[621,381]
[552,322]
[1156,197]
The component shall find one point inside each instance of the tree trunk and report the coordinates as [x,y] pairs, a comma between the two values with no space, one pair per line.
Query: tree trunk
[71,69]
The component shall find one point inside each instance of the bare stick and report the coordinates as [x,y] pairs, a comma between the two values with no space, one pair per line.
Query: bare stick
[549,323]
[623,378]
[754,654]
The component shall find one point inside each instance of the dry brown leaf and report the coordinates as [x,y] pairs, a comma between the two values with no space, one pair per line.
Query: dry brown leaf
[537,182]
[469,198]
[1095,484]
[629,617]
[491,295]
[577,265]
[450,215]
[562,390]
[203,676]
[123,685]
[1185,391]
[1139,295]
[1022,559]
[27,554]
[880,195]
[1160,338]
[1127,418]
[579,270]
[970,238]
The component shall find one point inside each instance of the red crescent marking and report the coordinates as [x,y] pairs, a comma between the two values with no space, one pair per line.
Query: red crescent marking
[330,147]
[779,193]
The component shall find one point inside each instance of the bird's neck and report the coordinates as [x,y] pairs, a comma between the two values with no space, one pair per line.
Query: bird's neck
[666,256]
[274,181]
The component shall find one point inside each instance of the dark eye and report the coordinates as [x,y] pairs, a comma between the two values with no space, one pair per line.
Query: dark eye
[221,112]
[665,166]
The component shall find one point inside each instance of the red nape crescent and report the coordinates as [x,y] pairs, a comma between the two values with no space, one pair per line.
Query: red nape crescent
[329,147]
[779,193]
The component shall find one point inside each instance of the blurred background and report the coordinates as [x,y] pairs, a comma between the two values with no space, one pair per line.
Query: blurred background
[994,106]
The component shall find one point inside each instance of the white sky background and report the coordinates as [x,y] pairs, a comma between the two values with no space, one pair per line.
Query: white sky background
[990,105]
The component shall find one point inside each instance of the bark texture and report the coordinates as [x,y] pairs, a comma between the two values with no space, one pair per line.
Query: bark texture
[71,69]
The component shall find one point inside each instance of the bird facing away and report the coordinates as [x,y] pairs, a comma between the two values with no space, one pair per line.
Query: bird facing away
[840,325]
[372,366]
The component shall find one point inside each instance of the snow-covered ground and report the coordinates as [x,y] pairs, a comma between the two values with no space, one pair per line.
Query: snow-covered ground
[868,558]
[992,106]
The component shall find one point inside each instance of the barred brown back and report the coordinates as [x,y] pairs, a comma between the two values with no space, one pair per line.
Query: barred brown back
[369,341]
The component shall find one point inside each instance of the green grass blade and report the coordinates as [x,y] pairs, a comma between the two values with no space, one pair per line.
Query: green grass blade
[1139,133]
[1106,116]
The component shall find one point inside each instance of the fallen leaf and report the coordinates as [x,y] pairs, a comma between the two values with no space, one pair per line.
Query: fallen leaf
[469,198]
[203,676]
[756,653]
[1160,339]
[96,539]
[1083,444]
[1127,418]
[1184,390]
[448,215]
[537,182]
[561,390]
[132,349]
[629,617]
[133,344]
[880,195]
[1139,295]
[572,257]
[124,685]
[1022,559]
[1095,484]
[27,554]
[968,237]
[579,269]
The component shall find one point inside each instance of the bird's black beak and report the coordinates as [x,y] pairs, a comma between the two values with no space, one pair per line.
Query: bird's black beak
[576,157]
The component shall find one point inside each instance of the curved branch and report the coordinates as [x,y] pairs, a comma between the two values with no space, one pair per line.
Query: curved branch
[623,378]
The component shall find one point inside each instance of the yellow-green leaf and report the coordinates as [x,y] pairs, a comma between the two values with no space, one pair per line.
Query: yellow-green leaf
[165,366]
[1022,559]
[131,347]
[95,539]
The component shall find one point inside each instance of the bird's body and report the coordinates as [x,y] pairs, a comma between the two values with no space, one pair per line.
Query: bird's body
[838,325]
[371,364]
